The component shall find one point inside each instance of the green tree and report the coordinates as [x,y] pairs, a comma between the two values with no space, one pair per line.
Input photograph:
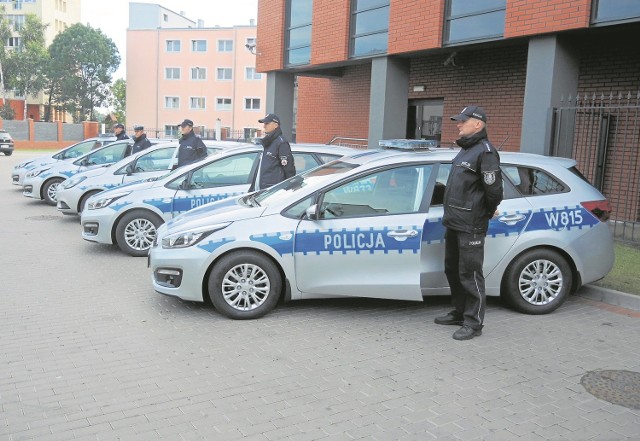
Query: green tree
[119,99]
[26,61]
[85,60]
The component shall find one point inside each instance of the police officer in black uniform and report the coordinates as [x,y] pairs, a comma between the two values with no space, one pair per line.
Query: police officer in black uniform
[472,195]
[120,133]
[191,147]
[140,140]
[276,163]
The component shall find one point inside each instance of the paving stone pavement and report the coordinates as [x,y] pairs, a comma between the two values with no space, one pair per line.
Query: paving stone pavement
[89,351]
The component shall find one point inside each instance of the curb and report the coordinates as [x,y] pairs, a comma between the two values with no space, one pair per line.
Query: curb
[610,297]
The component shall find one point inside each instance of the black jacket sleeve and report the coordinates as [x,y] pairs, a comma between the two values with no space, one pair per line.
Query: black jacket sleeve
[286,159]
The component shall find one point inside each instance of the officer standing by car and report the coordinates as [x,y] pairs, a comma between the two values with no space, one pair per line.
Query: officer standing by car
[120,133]
[472,195]
[191,147]
[140,140]
[276,162]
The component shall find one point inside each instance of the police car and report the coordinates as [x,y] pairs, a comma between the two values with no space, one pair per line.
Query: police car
[73,193]
[128,216]
[370,225]
[42,182]
[74,151]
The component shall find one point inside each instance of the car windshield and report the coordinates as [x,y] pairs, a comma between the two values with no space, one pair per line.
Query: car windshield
[285,188]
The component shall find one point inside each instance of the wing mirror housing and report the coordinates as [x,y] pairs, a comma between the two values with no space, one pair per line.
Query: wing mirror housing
[312,212]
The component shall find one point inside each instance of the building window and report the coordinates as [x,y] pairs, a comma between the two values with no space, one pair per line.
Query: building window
[197,102]
[225,45]
[198,45]
[224,73]
[17,4]
[172,102]
[170,131]
[615,10]
[16,22]
[198,73]
[171,73]
[165,17]
[223,103]
[252,104]
[298,32]
[173,45]
[477,20]
[251,74]
[369,27]
[13,42]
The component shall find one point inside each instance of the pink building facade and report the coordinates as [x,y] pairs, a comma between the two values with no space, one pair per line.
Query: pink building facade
[205,74]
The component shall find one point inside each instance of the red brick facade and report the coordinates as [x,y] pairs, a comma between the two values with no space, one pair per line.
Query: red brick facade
[415,25]
[334,107]
[270,35]
[526,17]
[330,31]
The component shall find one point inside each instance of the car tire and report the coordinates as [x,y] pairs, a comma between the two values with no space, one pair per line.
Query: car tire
[8,153]
[83,200]
[537,282]
[244,285]
[136,232]
[50,190]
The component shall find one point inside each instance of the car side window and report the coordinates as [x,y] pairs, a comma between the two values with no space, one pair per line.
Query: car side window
[531,181]
[391,191]
[109,154]
[233,170]
[442,177]
[304,162]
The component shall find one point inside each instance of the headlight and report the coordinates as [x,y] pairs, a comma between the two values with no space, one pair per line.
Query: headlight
[104,201]
[69,183]
[186,239]
[37,172]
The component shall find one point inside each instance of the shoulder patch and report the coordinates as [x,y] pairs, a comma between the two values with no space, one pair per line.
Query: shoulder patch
[489,177]
[487,146]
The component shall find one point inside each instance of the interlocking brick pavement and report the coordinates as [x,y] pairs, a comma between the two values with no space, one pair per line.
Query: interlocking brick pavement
[91,352]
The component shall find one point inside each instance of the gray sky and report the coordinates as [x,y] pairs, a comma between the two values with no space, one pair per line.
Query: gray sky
[114,19]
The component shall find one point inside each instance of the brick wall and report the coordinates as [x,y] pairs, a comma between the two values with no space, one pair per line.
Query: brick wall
[491,78]
[270,35]
[526,17]
[330,31]
[334,107]
[415,25]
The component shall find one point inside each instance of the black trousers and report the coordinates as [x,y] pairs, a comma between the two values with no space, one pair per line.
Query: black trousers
[463,259]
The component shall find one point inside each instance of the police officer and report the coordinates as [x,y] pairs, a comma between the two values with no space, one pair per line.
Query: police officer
[472,194]
[140,139]
[120,133]
[276,163]
[191,147]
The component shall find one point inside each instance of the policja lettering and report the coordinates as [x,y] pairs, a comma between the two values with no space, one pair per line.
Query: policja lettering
[354,241]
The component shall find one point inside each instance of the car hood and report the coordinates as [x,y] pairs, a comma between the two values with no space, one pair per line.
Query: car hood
[225,210]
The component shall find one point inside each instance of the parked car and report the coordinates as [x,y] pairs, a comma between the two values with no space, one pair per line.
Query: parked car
[66,154]
[370,225]
[42,182]
[128,216]
[151,163]
[6,143]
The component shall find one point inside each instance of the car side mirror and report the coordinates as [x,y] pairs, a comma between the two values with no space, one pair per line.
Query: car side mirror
[85,161]
[184,185]
[312,212]
[129,169]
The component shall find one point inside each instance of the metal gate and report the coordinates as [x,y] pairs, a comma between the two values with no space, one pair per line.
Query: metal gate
[602,133]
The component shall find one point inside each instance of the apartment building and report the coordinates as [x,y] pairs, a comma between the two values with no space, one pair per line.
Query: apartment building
[184,70]
[59,15]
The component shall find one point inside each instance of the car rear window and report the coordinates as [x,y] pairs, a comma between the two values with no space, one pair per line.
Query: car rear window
[532,181]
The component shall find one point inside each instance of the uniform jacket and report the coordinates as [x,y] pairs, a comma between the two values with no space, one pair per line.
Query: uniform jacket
[140,143]
[276,163]
[474,187]
[122,136]
[191,149]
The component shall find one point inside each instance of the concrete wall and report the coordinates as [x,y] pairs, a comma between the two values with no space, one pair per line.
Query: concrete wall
[48,135]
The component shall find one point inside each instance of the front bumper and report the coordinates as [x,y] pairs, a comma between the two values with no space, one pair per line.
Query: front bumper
[32,187]
[6,148]
[68,200]
[179,272]
[97,225]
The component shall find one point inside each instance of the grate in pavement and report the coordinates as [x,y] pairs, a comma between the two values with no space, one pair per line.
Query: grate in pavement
[617,387]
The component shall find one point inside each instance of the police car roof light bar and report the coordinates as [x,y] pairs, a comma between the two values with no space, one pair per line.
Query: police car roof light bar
[408,144]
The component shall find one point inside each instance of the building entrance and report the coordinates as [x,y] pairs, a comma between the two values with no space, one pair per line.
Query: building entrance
[424,119]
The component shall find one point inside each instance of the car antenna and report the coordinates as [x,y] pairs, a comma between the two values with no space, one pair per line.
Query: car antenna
[505,140]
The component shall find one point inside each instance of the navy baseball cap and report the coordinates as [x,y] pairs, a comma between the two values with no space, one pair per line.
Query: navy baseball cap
[138,127]
[471,112]
[186,122]
[118,126]
[271,117]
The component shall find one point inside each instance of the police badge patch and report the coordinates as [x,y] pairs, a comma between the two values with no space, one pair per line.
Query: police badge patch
[489,177]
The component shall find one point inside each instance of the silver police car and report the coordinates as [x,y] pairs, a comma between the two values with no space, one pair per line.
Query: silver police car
[129,215]
[73,193]
[370,225]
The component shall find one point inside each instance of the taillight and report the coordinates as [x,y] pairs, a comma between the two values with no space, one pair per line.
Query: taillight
[600,209]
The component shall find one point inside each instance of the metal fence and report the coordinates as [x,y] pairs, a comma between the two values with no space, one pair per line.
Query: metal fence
[356,143]
[601,131]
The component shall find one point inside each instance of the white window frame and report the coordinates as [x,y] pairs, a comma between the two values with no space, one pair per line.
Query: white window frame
[255,76]
[223,45]
[253,101]
[198,73]
[195,45]
[224,70]
[224,107]
[201,101]
[173,70]
[173,46]
[174,99]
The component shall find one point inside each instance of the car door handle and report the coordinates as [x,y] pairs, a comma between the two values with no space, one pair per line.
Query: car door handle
[512,219]
[401,235]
